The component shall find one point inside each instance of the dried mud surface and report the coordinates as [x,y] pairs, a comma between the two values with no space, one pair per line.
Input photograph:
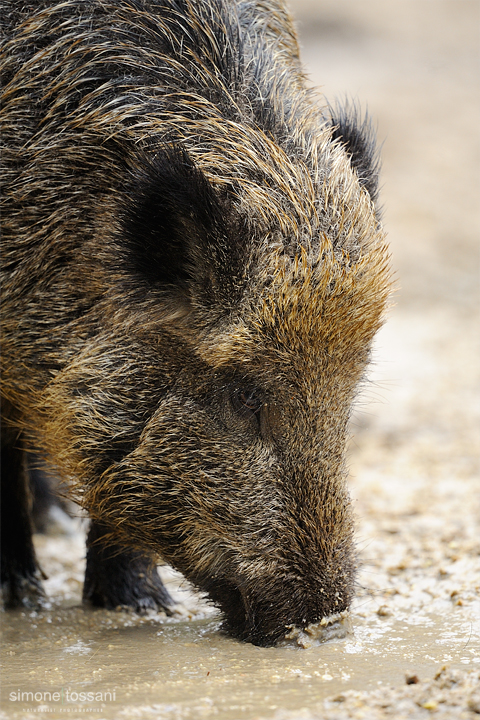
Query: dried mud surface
[414,646]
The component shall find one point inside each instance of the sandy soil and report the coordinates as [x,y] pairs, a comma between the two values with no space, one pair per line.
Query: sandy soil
[415,445]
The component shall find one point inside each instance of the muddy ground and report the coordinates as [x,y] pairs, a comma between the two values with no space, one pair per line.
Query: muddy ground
[414,453]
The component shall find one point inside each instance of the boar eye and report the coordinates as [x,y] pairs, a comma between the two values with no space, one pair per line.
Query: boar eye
[246,401]
[250,401]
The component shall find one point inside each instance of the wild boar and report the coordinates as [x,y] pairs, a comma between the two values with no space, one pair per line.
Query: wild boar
[194,269]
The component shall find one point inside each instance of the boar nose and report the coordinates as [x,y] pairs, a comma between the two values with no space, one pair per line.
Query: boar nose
[263,613]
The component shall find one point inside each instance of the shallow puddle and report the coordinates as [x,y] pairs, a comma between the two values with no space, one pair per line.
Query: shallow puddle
[128,667]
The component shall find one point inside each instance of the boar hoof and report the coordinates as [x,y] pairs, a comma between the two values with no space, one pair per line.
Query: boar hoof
[24,591]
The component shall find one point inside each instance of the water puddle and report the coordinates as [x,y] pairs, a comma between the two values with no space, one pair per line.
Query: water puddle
[116,665]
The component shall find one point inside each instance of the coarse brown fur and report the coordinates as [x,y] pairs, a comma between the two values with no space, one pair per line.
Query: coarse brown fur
[193,272]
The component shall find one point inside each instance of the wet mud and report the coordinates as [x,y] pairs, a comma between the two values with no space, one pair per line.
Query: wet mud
[412,646]
[126,667]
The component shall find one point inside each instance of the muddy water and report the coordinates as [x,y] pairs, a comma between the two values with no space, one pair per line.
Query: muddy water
[170,668]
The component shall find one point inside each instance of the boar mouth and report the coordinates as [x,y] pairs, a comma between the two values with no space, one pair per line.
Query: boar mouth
[263,619]
[243,618]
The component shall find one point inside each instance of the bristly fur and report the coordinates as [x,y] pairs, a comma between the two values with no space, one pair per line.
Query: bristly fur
[193,273]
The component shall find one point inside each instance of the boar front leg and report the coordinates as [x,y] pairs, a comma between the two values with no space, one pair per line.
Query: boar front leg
[118,576]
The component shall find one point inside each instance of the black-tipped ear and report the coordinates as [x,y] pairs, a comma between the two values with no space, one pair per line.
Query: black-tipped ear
[178,231]
[358,136]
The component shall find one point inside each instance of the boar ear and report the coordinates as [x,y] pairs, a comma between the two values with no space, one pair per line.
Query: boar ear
[358,136]
[180,233]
